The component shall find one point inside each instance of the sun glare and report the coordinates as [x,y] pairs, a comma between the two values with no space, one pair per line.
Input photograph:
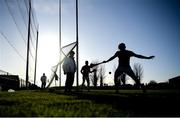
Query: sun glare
[48,54]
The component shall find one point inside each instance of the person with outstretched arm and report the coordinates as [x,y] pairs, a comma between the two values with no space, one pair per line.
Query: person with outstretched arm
[85,70]
[124,64]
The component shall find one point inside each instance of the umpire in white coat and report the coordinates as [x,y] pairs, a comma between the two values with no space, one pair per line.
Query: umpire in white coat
[69,68]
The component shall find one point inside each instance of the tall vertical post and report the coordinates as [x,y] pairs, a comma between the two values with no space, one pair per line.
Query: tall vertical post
[28,41]
[60,42]
[36,57]
[77,41]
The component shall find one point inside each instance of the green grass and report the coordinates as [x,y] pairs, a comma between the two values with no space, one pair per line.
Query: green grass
[96,103]
[37,103]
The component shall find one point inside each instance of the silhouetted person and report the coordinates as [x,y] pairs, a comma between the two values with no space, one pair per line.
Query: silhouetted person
[43,81]
[85,70]
[56,77]
[124,64]
[69,67]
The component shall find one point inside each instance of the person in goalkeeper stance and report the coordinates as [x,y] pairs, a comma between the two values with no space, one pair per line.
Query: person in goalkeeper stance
[124,64]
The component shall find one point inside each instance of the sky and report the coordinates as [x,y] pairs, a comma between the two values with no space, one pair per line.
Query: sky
[147,27]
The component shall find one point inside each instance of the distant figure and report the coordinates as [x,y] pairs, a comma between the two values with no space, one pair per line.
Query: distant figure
[85,70]
[69,68]
[56,77]
[124,64]
[43,81]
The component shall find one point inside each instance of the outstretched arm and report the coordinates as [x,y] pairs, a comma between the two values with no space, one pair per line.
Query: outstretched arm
[113,57]
[143,57]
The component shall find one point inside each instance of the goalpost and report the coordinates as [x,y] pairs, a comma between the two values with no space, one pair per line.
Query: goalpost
[66,49]
[65,52]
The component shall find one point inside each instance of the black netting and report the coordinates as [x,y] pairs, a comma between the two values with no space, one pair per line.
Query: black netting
[14,19]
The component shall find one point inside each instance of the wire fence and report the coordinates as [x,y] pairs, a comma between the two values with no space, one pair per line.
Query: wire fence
[14,20]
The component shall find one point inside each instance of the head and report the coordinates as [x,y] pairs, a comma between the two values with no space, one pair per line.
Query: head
[43,74]
[86,62]
[71,54]
[122,46]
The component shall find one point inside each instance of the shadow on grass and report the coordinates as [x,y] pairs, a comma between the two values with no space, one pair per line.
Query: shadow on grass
[157,104]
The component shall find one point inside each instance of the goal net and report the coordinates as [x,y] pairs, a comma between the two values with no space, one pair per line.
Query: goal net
[64,53]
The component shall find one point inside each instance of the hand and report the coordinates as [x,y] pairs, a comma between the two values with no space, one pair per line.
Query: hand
[94,70]
[104,61]
[151,57]
[92,65]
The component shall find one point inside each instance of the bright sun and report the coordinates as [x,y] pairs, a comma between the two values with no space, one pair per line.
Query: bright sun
[48,54]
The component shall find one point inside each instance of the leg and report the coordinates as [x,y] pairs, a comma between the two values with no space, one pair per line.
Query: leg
[88,83]
[67,82]
[116,81]
[45,85]
[83,80]
[133,76]
[71,81]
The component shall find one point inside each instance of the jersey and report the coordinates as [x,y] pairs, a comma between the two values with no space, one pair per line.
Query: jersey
[43,79]
[124,57]
[69,65]
[85,70]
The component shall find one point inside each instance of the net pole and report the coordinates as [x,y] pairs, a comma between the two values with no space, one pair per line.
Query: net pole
[28,43]
[60,41]
[77,48]
[36,57]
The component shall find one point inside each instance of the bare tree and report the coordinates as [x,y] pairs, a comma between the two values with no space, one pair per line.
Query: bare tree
[138,71]
[94,75]
[123,78]
[101,74]
[152,82]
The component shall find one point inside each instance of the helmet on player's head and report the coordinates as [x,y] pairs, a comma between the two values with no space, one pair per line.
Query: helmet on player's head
[122,46]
